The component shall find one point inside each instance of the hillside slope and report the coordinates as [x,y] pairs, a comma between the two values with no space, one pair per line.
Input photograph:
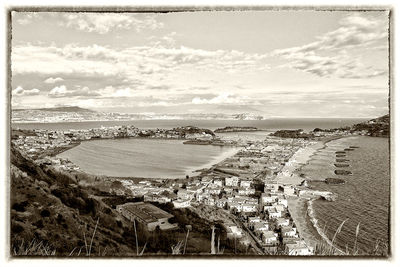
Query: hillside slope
[52,208]
[379,127]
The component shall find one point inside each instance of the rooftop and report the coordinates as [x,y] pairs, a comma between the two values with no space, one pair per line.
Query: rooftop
[146,211]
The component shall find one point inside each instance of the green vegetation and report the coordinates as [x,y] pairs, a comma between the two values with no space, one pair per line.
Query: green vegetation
[229,129]
[21,132]
[292,134]
[379,127]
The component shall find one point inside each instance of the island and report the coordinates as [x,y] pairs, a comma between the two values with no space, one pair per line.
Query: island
[231,129]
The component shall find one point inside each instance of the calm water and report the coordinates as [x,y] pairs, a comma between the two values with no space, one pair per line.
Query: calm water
[364,198]
[146,158]
[270,124]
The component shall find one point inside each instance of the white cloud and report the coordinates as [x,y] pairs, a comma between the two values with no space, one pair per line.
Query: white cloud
[52,80]
[103,23]
[19,91]
[58,91]
[125,92]
[329,55]
[140,68]
[25,18]
[63,91]
[223,98]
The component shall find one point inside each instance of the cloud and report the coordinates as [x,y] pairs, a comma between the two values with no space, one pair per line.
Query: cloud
[103,23]
[25,18]
[140,68]
[125,92]
[223,98]
[52,80]
[62,91]
[329,56]
[19,91]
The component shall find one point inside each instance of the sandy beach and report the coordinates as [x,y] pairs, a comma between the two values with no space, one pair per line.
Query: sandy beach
[298,210]
[290,172]
[298,206]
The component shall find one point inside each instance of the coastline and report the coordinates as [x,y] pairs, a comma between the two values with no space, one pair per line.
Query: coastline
[216,160]
[193,171]
[300,208]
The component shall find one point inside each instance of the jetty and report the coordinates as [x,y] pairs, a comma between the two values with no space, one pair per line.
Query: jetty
[341,165]
[343,172]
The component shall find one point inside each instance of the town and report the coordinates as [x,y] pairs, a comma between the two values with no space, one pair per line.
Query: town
[248,192]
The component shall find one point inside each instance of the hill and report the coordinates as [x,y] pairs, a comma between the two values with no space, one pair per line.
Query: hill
[52,208]
[379,127]
[60,213]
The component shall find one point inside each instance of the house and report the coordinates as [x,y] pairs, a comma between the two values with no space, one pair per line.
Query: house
[289,231]
[273,213]
[271,187]
[232,181]
[245,183]
[213,191]
[267,199]
[260,226]
[279,208]
[184,194]
[282,222]
[246,191]
[191,190]
[221,203]
[164,197]
[288,190]
[249,207]
[206,180]
[254,219]
[181,203]
[228,190]
[147,214]
[269,237]
[201,196]
[218,182]
[283,202]
[209,201]
[299,248]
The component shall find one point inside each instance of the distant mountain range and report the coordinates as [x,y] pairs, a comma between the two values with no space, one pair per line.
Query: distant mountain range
[60,109]
[75,113]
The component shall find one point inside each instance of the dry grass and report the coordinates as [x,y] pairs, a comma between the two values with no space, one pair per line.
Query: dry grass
[329,249]
[34,248]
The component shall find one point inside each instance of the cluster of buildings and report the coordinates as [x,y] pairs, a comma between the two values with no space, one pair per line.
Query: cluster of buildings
[263,211]
[41,141]
[244,185]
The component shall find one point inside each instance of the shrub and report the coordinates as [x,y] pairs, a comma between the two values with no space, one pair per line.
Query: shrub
[20,206]
[45,213]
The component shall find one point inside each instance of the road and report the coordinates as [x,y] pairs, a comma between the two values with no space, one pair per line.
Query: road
[253,240]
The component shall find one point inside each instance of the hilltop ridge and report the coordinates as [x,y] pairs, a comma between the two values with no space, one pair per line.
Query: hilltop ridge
[59,109]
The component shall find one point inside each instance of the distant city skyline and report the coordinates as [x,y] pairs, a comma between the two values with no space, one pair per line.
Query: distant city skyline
[269,63]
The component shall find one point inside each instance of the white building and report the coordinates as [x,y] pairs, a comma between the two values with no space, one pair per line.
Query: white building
[181,203]
[232,181]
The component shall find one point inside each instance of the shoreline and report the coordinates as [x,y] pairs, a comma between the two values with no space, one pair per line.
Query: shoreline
[300,208]
[190,171]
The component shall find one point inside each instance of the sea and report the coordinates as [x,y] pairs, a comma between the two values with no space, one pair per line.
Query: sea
[363,200]
[145,158]
[306,124]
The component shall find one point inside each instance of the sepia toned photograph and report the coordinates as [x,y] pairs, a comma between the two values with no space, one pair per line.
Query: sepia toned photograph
[225,132]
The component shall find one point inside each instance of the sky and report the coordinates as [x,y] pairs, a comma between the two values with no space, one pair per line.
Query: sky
[269,63]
